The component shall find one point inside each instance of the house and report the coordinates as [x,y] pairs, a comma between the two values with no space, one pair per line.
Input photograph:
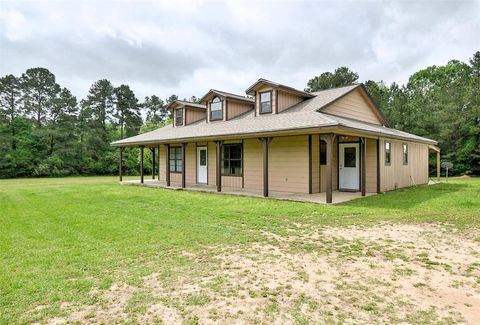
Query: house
[278,139]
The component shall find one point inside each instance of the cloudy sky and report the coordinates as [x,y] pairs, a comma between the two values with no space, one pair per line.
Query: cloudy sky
[188,47]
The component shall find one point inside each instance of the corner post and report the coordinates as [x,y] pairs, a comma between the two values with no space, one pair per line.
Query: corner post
[219,144]
[328,138]
[167,166]
[141,163]
[153,162]
[265,142]
[438,165]
[363,171]
[120,164]
[184,147]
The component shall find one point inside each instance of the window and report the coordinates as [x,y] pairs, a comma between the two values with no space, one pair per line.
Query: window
[266,102]
[176,159]
[405,154]
[323,152]
[179,117]
[216,109]
[232,159]
[350,157]
[388,152]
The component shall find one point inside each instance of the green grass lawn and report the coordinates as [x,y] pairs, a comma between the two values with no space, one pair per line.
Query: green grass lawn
[59,238]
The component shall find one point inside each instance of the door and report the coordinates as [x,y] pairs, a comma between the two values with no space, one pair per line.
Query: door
[348,166]
[202,165]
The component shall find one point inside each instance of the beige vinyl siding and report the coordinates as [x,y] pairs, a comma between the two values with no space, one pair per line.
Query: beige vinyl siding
[286,100]
[253,164]
[176,179]
[398,175]
[163,162]
[212,167]
[371,166]
[231,181]
[190,164]
[288,164]
[193,115]
[355,106]
[315,163]
[237,108]
[335,164]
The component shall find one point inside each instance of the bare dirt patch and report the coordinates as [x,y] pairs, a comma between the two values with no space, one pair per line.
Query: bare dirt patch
[382,274]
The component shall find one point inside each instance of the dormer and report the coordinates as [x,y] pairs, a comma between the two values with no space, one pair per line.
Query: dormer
[223,106]
[274,98]
[185,113]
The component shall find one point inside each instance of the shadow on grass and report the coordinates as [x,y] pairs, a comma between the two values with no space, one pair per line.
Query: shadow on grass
[411,197]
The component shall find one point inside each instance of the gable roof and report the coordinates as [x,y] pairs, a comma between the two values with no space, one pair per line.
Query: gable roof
[224,94]
[185,103]
[306,115]
[260,82]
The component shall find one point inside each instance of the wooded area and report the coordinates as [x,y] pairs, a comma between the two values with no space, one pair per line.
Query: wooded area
[46,131]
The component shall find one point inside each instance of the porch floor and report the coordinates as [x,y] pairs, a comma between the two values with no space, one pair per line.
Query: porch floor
[337,197]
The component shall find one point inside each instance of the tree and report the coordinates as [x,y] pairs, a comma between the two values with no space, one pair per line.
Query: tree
[342,76]
[127,111]
[10,98]
[156,109]
[40,91]
[100,102]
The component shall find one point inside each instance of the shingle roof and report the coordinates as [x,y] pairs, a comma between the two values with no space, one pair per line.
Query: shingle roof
[277,85]
[228,95]
[304,115]
[186,103]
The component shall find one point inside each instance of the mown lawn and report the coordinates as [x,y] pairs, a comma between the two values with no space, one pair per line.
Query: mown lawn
[59,238]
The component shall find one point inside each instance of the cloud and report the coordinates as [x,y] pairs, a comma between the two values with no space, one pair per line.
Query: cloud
[188,47]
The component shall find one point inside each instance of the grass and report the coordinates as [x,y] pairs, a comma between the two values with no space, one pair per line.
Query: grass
[59,238]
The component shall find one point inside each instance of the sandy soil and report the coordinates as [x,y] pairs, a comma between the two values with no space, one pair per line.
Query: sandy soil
[382,274]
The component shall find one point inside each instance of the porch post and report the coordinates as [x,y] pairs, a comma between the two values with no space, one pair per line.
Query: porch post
[438,165]
[219,144]
[378,166]
[141,163]
[120,164]
[167,166]
[184,147]
[153,162]
[363,155]
[158,152]
[265,142]
[328,138]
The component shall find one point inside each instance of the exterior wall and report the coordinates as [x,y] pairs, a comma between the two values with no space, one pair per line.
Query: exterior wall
[176,179]
[232,181]
[371,168]
[286,100]
[253,164]
[235,109]
[315,163]
[354,106]
[212,165]
[191,164]
[193,115]
[288,164]
[398,175]
[163,163]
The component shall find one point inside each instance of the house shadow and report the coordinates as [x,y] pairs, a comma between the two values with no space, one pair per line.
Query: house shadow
[407,198]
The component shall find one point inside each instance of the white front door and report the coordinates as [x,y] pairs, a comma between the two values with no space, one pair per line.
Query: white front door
[348,166]
[202,165]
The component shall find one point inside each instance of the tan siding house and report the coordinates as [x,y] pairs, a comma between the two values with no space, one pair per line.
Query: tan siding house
[282,140]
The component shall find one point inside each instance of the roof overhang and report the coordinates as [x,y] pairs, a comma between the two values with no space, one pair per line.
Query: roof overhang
[182,103]
[264,82]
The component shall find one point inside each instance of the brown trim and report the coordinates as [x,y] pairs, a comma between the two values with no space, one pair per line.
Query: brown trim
[265,142]
[196,163]
[120,164]
[226,109]
[184,149]
[183,116]
[329,139]
[243,165]
[210,110]
[378,166]
[277,85]
[310,180]
[257,100]
[260,102]
[141,163]
[152,150]
[158,149]
[363,165]
[219,165]
[167,166]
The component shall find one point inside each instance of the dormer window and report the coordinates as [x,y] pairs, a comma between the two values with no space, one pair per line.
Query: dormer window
[216,109]
[266,102]
[179,117]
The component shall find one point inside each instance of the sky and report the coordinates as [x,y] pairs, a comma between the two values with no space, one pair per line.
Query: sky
[188,47]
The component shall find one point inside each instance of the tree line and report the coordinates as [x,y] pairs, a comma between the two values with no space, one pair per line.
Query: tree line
[438,102]
[46,131]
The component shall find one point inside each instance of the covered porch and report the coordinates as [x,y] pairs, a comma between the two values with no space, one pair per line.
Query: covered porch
[318,198]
